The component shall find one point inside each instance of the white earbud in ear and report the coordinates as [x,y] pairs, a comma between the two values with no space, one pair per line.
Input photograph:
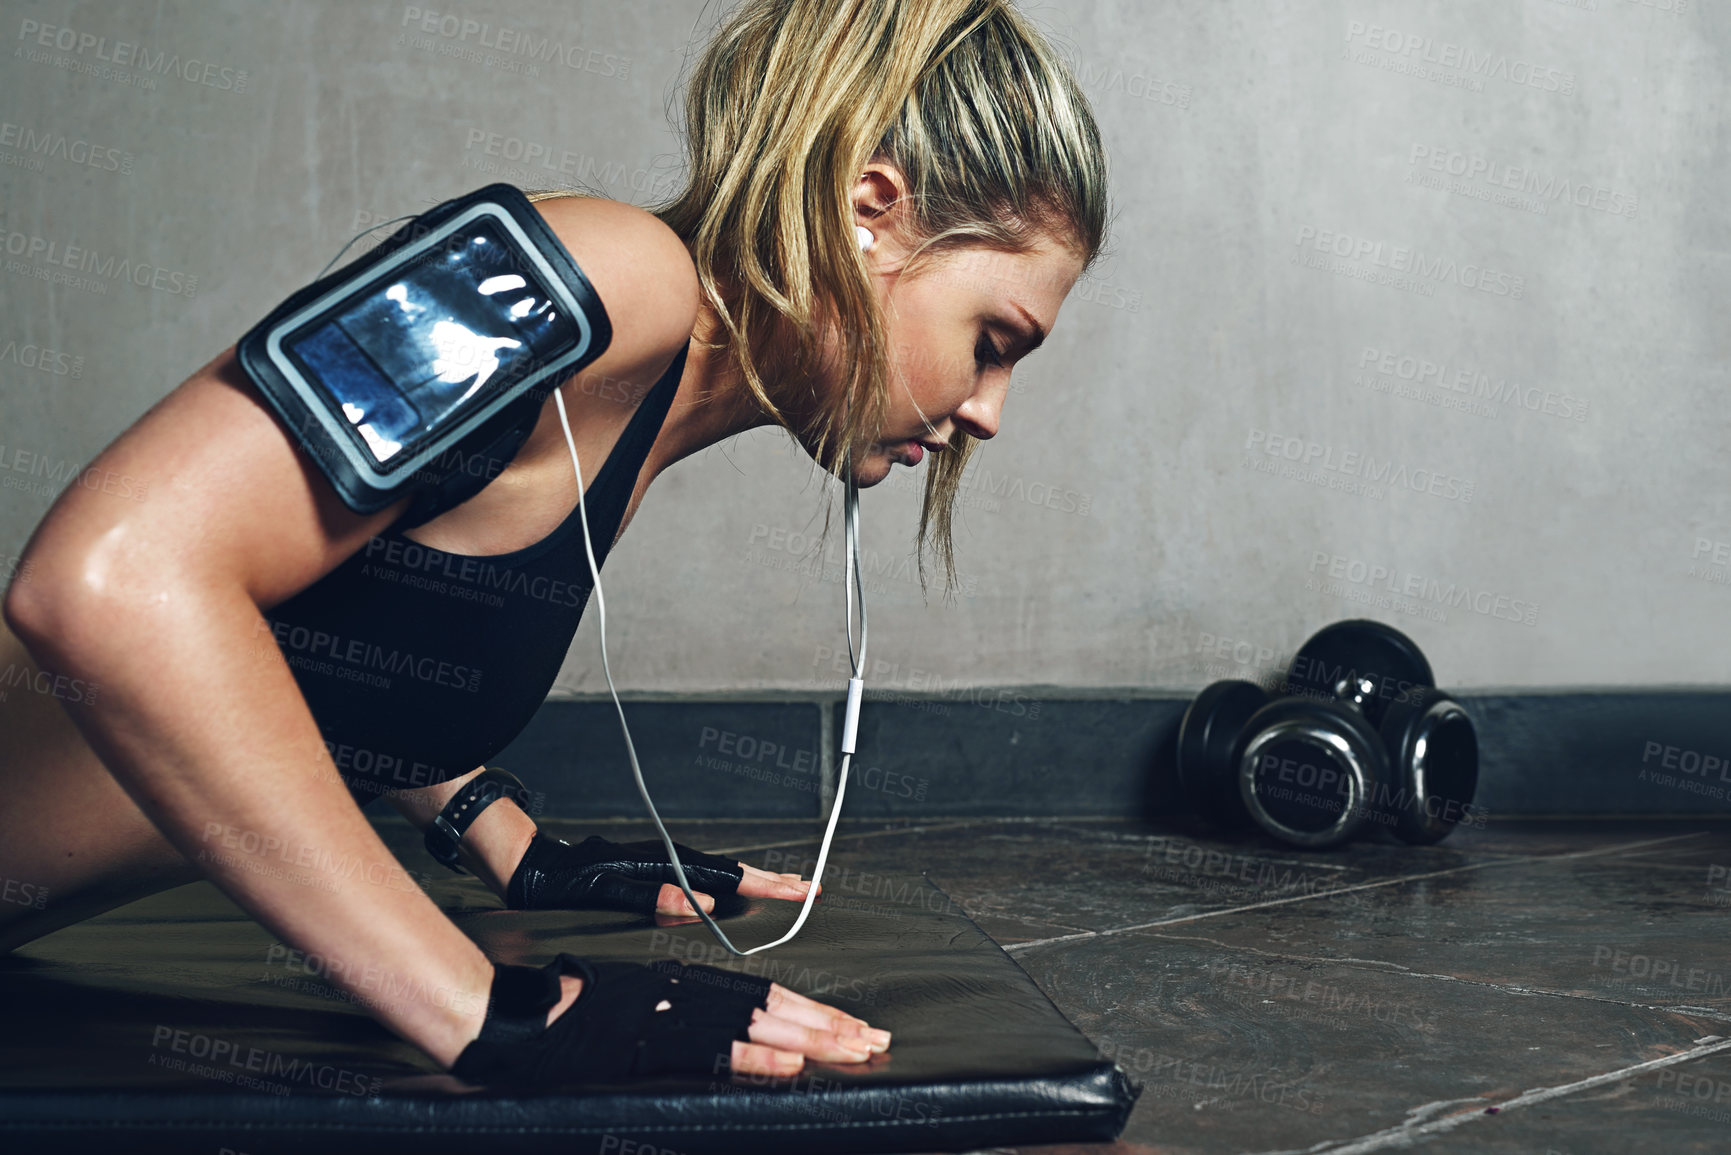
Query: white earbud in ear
[865,237]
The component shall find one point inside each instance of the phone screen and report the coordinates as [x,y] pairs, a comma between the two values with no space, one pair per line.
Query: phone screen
[421,347]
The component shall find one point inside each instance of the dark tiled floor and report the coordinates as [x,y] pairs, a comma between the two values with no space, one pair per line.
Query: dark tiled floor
[1556,988]
[1531,987]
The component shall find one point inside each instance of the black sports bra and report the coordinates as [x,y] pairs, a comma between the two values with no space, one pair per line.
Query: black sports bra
[421,665]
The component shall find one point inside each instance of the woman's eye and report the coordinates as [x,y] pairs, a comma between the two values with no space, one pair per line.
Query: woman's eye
[986,353]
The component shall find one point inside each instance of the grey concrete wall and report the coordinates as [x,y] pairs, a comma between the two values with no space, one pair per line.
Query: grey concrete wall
[1417,313]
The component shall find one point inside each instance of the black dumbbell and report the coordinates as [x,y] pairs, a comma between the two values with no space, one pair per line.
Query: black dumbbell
[1361,738]
[1360,662]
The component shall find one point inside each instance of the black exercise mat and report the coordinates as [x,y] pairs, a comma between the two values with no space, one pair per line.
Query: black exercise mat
[179,1024]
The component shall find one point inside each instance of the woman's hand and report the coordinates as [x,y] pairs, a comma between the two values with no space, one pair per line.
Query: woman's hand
[672,903]
[762,884]
[637,877]
[783,1028]
[796,1028]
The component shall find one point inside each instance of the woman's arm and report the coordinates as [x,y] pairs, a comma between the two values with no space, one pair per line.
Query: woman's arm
[153,588]
[157,600]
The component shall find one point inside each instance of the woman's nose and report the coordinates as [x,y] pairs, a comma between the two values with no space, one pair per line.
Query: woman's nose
[978,415]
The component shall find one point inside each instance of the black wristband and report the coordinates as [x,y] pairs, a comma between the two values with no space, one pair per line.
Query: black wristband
[481,791]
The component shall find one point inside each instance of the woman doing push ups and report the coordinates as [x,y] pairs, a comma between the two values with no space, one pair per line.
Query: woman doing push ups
[887,204]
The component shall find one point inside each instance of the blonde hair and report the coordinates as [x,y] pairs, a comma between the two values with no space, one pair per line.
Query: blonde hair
[786,103]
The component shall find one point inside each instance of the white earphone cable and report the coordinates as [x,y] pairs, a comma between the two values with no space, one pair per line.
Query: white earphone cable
[855,687]
[356,237]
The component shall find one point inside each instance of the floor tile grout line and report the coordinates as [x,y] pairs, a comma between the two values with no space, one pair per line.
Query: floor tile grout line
[1182,919]
[1625,846]
[1514,856]
[842,836]
[1338,891]
[1395,970]
[1404,1135]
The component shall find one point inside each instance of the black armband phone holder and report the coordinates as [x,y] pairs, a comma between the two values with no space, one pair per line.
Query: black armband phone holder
[420,368]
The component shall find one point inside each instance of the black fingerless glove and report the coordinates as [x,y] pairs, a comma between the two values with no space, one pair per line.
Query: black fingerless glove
[617,1029]
[600,875]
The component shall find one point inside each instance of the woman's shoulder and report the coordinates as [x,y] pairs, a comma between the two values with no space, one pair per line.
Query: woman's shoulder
[638,266]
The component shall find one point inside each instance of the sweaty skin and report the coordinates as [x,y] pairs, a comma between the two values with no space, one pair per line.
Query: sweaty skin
[158,602]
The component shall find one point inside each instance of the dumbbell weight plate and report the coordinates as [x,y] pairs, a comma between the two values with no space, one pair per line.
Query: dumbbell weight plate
[1207,740]
[1360,662]
[1309,769]
[1435,751]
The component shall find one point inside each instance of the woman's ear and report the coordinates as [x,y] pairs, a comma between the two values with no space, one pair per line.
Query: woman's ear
[878,202]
